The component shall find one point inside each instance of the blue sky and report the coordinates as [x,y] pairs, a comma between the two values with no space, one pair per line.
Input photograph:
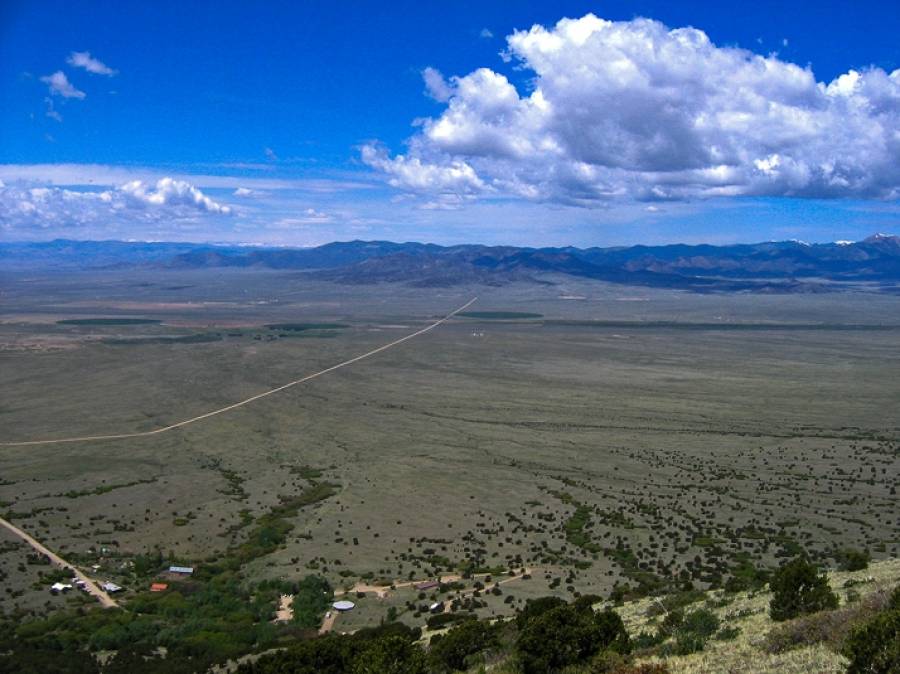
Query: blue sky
[299,123]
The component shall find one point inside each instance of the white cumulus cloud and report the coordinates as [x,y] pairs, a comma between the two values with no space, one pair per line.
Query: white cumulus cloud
[636,110]
[26,207]
[83,59]
[60,86]
[170,192]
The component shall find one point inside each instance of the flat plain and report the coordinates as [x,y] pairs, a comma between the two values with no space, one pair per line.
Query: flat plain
[603,438]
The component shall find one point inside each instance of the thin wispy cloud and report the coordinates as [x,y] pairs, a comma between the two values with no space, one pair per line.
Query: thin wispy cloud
[51,111]
[436,86]
[59,85]
[84,60]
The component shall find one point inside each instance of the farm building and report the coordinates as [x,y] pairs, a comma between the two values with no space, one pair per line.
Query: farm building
[183,570]
[56,588]
[427,585]
[159,587]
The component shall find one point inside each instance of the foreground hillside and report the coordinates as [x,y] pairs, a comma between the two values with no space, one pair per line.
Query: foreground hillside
[762,646]
[746,640]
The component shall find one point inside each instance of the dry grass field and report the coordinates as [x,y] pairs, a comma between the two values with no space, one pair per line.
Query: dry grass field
[628,438]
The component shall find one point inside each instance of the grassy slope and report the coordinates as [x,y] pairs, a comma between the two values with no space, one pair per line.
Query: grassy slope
[749,612]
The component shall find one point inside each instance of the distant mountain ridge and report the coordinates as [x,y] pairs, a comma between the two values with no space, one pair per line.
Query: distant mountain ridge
[783,266]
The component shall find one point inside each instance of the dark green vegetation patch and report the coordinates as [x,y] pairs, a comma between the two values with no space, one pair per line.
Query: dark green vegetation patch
[499,315]
[109,321]
[198,338]
[300,327]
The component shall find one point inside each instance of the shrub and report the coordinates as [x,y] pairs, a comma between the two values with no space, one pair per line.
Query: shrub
[829,627]
[646,640]
[727,634]
[646,668]
[853,560]
[874,647]
[441,620]
[798,589]
[702,622]
[687,643]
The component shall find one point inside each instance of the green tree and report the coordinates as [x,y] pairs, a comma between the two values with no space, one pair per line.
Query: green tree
[390,655]
[326,655]
[313,597]
[454,649]
[797,589]
[567,635]
[535,607]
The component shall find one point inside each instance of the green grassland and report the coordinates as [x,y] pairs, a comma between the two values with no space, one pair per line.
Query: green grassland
[621,443]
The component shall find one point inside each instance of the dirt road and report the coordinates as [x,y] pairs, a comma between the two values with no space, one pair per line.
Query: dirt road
[285,612]
[328,622]
[247,401]
[382,591]
[105,600]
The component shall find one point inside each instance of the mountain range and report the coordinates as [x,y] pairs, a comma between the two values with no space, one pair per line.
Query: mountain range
[782,266]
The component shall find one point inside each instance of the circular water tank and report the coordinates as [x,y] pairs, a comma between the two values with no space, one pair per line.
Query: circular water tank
[343,605]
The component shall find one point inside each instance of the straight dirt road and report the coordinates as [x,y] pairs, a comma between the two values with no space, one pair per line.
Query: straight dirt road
[241,403]
[105,600]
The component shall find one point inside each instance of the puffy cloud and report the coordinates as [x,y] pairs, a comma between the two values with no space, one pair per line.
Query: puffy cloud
[635,110]
[60,86]
[170,192]
[26,207]
[413,173]
[83,59]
